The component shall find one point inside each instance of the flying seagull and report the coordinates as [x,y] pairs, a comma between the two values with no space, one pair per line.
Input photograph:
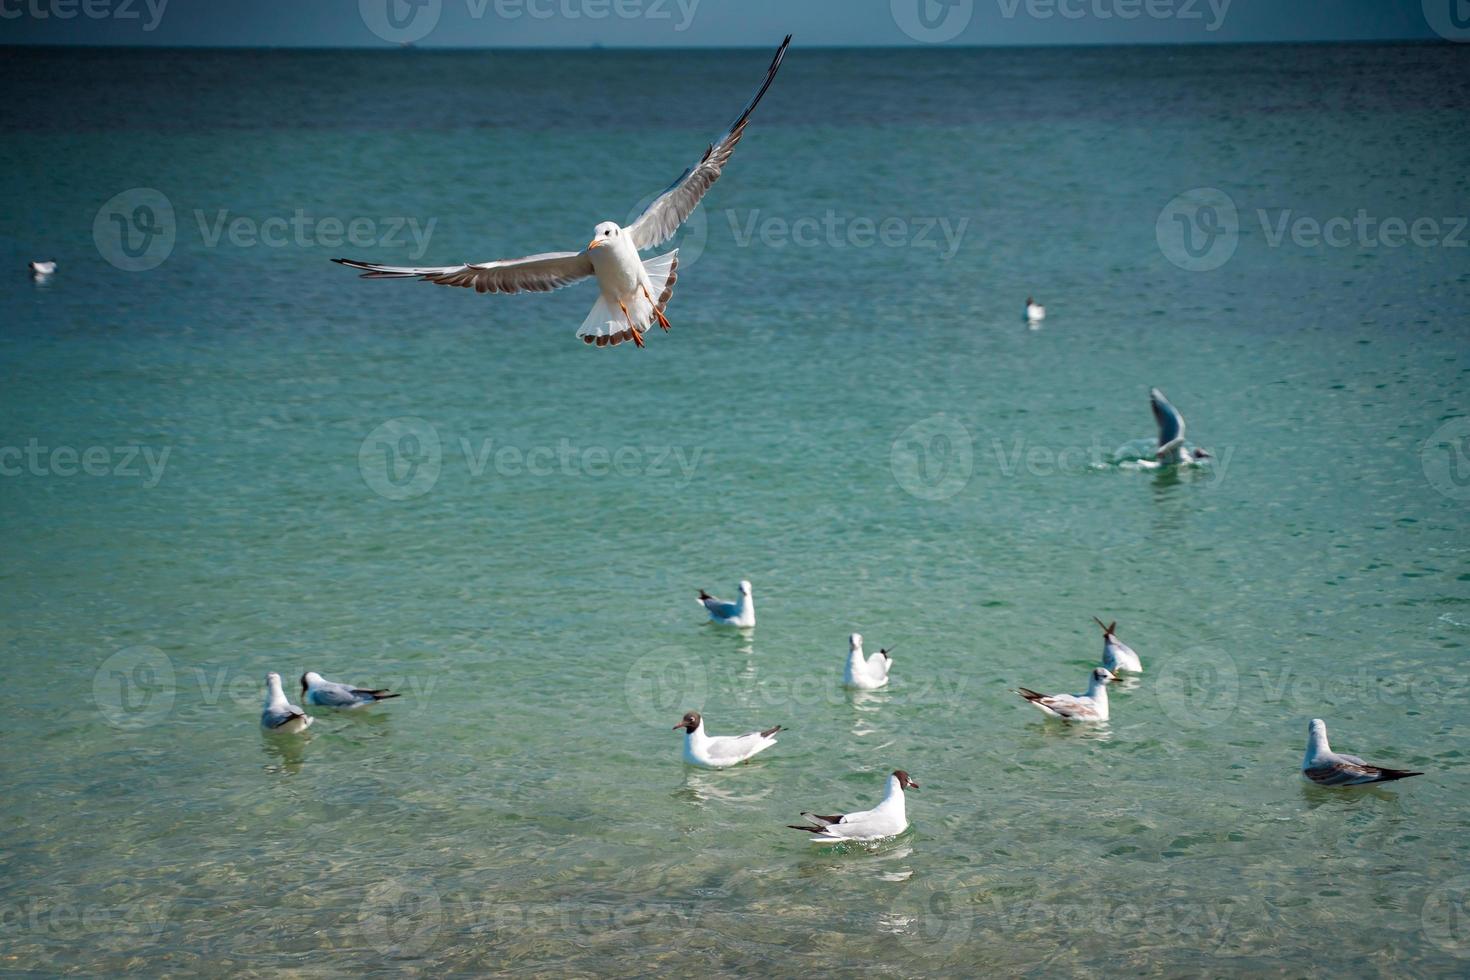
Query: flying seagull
[1171,451]
[1092,706]
[721,751]
[279,714]
[1327,768]
[634,293]
[887,819]
[739,613]
[317,690]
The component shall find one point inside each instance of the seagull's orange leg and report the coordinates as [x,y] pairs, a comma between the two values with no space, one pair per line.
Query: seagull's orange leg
[662,320]
[637,337]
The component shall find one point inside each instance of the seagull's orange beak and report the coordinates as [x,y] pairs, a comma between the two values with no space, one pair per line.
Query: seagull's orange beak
[593,244]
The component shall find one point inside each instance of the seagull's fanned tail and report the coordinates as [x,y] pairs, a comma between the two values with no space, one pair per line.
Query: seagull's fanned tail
[607,326]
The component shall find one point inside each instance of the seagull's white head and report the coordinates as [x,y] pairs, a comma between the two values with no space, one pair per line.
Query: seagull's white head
[605,234]
[309,678]
[744,587]
[273,682]
[1317,729]
[1101,675]
[855,641]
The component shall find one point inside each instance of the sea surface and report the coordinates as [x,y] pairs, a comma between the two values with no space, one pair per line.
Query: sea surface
[223,455]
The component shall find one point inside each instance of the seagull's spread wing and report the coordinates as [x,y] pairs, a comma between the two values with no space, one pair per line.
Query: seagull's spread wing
[534,273]
[1171,423]
[669,210]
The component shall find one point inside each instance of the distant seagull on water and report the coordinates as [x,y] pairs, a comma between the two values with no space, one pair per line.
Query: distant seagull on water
[1117,655]
[40,270]
[1171,451]
[887,819]
[1327,768]
[721,751]
[317,690]
[1091,706]
[738,613]
[1035,312]
[634,293]
[866,673]
[281,716]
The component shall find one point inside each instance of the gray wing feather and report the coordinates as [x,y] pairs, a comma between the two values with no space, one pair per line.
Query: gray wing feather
[533,273]
[670,209]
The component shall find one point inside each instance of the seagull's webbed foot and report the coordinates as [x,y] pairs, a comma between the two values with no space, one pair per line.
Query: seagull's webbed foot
[663,321]
[637,334]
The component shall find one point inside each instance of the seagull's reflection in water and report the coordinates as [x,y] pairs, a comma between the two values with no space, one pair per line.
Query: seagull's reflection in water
[288,752]
[721,787]
[868,706]
[1348,797]
[1094,731]
[886,859]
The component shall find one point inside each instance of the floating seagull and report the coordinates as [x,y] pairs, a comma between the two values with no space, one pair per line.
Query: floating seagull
[1118,655]
[870,673]
[316,689]
[887,819]
[1327,768]
[40,270]
[721,751]
[1035,312]
[1171,451]
[1092,706]
[738,613]
[634,293]
[281,715]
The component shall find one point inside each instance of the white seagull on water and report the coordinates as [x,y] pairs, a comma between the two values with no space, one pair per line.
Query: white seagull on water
[887,819]
[1117,655]
[1092,706]
[721,751]
[40,270]
[280,715]
[739,613]
[1172,451]
[868,673]
[317,690]
[1327,768]
[634,293]
[1035,312]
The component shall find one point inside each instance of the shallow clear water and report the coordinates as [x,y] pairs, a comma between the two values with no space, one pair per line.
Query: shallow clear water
[864,428]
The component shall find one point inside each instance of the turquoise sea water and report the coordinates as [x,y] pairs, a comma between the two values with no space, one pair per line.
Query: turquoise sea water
[266,464]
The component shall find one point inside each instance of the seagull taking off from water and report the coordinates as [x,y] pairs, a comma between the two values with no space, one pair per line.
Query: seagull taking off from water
[865,673]
[1117,655]
[281,716]
[721,751]
[634,293]
[316,689]
[1092,706]
[739,613]
[887,819]
[1326,768]
[1171,451]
